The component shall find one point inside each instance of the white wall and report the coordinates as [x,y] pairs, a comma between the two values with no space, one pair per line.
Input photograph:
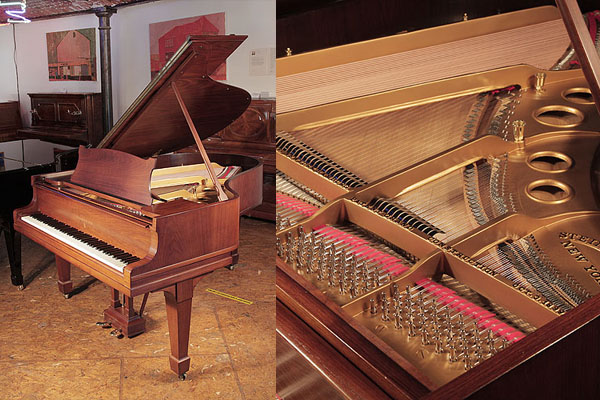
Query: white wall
[130,42]
[8,81]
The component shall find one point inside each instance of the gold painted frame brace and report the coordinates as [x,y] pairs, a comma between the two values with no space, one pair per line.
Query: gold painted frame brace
[213,177]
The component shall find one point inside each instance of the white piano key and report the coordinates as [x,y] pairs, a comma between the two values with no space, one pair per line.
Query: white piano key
[76,243]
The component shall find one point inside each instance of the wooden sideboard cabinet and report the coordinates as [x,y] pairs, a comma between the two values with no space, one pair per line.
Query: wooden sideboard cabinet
[66,118]
[10,120]
[252,134]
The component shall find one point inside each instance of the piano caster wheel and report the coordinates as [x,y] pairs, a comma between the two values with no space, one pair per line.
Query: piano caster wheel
[67,295]
[231,267]
[183,376]
[20,287]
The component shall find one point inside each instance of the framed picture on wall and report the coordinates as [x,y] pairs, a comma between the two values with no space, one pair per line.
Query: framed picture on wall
[72,55]
[167,36]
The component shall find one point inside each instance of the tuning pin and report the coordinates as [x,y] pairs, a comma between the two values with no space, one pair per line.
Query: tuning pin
[424,336]
[278,247]
[411,326]
[373,306]
[353,288]
[438,341]
[452,356]
[385,309]
[310,259]
[397,319]
[467,360]
[478,355]
[331,265]
[395,290]
[342,274]
[491,343]
[448,319]
[321,263]
[331,281]
[365,277]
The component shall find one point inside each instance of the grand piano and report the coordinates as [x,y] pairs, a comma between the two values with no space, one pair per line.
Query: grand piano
[439,238]
[142,219]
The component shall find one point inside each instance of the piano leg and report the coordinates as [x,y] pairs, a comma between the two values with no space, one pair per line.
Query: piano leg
[13,248]
[63,269]
[178,299]
[122,316]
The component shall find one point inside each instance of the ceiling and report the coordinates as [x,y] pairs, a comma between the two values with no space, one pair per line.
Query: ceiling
[41,9]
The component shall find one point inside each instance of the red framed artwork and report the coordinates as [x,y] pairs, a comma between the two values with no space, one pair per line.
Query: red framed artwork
[167,36]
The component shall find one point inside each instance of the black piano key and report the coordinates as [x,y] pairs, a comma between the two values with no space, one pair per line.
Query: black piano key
[87,239]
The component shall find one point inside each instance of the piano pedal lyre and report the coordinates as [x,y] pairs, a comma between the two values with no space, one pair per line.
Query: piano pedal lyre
[122,317]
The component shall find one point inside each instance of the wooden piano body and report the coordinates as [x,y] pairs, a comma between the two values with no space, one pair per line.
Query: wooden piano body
[106,205]
[66,118]
[405,284]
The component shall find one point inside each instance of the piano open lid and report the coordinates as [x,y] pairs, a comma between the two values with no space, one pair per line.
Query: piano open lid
[155,123]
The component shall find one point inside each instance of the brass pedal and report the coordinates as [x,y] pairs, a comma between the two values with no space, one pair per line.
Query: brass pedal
[104,325]
[117,333]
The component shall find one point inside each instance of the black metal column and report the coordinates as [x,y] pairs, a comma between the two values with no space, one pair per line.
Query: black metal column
[104,15]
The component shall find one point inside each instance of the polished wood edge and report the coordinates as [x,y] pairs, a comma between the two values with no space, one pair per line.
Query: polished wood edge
[169,71]
[334,367]
[369,353]
[520,352]
[187,273]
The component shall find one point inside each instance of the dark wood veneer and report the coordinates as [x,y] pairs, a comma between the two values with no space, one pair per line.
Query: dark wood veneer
[66,118]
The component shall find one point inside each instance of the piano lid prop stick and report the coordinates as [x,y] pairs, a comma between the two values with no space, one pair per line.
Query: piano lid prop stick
[220,192]
[583,45]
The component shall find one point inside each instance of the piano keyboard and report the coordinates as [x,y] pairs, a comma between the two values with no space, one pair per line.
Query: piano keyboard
[95,248]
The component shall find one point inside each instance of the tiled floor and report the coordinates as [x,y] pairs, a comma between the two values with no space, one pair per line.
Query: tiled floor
[50,347]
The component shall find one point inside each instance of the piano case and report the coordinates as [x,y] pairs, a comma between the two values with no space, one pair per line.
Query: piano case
[107,205]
